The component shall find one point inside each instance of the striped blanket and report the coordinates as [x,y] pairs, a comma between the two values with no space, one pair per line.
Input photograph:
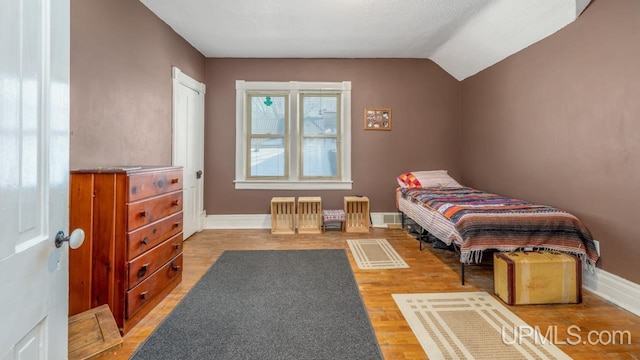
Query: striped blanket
[489,221]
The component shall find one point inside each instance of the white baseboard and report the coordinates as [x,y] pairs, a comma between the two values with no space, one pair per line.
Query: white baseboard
[610,287]
[246,221]
[613,288]
[263,221]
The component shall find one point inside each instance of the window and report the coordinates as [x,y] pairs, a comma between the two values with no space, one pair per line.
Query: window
[293,135]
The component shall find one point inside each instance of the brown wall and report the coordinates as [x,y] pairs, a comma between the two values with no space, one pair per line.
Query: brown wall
[425,109]
[121,59]
[559,123]
[556,123]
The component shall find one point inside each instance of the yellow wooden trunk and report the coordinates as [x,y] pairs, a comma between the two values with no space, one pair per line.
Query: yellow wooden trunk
[537,278]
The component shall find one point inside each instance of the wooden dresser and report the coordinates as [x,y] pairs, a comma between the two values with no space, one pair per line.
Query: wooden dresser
[132,254]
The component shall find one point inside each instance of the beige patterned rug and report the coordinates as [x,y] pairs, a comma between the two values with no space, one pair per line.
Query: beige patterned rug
[373,254]
[472,325]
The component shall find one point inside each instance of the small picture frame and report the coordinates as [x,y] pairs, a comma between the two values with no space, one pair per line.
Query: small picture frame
[377,118]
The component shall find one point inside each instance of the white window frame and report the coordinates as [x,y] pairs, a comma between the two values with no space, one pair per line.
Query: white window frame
[294,182]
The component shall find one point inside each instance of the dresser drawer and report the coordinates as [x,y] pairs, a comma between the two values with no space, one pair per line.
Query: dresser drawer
[153,285]
[155,183]
[147,237]
[146,264]
[149,210]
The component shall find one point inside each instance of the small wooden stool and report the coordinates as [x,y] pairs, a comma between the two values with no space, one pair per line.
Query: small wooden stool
[283,210]
[333,216]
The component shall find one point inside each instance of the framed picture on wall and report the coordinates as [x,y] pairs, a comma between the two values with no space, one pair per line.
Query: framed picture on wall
[377,118]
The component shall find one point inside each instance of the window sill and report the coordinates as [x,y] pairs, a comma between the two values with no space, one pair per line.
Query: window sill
[292,185]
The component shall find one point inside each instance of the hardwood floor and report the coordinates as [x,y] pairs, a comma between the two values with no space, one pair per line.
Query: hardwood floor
[431,270]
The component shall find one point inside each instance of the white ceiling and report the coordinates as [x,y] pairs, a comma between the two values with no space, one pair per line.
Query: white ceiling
[462,36]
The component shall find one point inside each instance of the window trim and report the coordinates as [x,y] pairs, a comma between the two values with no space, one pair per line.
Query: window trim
[293,88]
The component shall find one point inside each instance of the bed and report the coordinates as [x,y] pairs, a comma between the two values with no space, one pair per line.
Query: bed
[474,221]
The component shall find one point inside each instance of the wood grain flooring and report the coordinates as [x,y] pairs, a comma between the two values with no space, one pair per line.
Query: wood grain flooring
[431,270]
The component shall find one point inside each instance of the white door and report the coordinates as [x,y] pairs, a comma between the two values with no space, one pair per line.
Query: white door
[34,148]
[188,146]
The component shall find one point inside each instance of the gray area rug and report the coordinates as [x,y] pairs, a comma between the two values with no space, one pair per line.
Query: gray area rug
[275,304]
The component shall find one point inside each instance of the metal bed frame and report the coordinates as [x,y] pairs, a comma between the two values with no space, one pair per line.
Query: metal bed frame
[425,236]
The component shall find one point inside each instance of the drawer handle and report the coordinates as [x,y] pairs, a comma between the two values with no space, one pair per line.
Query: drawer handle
[176,225]
[143,270]
[175,203]
[176,246]
[175,181]
[143,295]
[175,267]
[143,213]
[145,241]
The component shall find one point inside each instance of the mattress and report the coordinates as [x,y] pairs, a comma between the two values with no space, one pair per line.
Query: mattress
[477,221]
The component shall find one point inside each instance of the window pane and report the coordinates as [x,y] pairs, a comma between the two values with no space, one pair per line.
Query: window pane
[319,114]
[319,157]
[267,114]
[267,157]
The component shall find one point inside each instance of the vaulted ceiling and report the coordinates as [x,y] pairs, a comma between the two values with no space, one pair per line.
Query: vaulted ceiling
[463,37]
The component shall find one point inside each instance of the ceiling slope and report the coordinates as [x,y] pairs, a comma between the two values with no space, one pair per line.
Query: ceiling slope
[463,37]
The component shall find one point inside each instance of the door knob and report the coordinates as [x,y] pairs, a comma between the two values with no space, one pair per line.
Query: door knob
[198,174]
[75,239]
